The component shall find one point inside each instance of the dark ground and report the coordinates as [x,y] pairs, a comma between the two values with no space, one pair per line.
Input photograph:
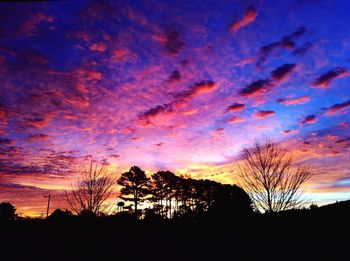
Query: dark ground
[323,233]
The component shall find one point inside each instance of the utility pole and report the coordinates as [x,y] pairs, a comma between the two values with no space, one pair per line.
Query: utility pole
[48,205]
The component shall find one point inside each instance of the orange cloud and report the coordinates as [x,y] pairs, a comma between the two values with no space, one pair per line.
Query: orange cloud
[200,88]
[98,47]
[248,18]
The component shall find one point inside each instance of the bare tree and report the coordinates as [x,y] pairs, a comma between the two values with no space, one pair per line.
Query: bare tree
[91,190]
[271,178]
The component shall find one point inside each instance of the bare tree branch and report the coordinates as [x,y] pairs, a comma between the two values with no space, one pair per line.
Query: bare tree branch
[91,190]
[269,176]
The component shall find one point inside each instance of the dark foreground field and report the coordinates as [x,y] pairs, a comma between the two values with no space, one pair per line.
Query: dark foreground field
[323,233]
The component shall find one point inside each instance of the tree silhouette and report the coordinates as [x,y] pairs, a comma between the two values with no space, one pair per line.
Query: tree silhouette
[269,176]
[229,201]
[91,191]
[163,187]
[135,185]
[7,211]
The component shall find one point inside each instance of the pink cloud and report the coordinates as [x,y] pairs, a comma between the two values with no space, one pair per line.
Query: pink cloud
[310,119]
[256,88]
[36,137]
[338,108]
[37,122]
[245,61]
[263,114]
[325,79]
[282,73]
[235,107]
[286,132]
[294,101]
[191,112]
[236,119]
[7,142]
[217,133]
[344,125]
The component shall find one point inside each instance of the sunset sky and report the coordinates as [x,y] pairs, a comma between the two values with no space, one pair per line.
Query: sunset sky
[170,85]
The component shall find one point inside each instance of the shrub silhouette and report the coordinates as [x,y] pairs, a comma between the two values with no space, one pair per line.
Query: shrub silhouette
[59,214]
[7,211]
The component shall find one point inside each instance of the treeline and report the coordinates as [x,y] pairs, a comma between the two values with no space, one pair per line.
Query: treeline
[175,196]
[163,195]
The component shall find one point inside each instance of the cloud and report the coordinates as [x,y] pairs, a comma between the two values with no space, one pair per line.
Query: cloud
[245,61]
[10,152]
[282,72]
[126,130]
[7,142]
[218,132]
[145,119]
[37,122]
[235,107]
[89,75]
[286,132]
[263,114]
[343,140]
[98,47]
[198,88]
[344,125]
[277,76]
[174,76]
[190,112]
[3,112]
[248,18]
[153,112]
[338,108]
[286,42]
[236,119]
[294,101]
[325,79]
[36,137]
[30,26]
[173,41]
[309,119]
[255,88]
[301,50]
[181,98]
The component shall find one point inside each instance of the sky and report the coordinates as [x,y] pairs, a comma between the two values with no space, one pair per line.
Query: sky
[170,85]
